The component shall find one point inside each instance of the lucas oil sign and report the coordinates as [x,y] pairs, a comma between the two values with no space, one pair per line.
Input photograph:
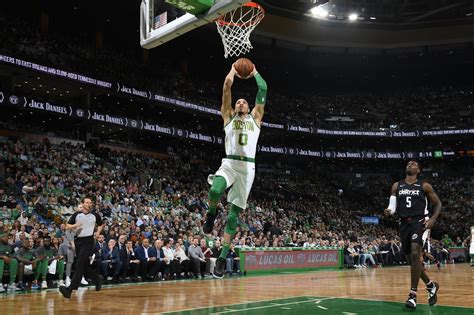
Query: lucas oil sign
[263,260]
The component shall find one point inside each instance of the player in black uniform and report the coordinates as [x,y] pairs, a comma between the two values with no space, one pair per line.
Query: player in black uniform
[409,201]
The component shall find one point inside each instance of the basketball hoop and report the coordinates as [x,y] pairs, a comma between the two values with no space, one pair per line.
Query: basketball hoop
[235,28]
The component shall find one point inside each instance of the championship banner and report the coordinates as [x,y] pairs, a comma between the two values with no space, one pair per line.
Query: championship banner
[296,258]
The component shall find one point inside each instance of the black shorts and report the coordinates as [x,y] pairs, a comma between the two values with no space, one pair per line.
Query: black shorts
[411,232]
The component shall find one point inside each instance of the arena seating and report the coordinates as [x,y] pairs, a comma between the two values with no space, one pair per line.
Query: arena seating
[142,197]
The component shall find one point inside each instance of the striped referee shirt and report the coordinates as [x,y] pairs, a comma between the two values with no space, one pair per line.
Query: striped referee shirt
[88,222]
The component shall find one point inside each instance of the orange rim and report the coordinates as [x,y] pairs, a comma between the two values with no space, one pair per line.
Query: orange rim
[249,23]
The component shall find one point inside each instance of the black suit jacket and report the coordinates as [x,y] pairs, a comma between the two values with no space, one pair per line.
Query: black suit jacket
[160,255]
[126,257]
[123,254]
[98,250]
[112,255]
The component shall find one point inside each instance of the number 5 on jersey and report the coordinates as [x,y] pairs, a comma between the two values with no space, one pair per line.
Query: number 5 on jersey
[243,139]
[408,202]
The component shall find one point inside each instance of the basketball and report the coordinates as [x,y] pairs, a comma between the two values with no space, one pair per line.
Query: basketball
[244,67]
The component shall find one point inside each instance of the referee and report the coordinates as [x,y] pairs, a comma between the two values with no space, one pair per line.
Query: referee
[84,222]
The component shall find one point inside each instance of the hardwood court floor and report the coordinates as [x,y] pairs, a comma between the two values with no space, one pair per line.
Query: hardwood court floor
[324,290]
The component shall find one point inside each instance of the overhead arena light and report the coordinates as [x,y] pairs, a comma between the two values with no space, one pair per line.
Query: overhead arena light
[353,17]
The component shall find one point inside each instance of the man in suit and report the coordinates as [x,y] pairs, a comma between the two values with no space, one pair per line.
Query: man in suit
[98,250]
[121,242]
[384,251]
[160,260]
[111,264]
[148,260]
[130,261]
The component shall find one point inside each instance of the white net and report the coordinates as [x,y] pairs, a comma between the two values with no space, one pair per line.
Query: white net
[235,28]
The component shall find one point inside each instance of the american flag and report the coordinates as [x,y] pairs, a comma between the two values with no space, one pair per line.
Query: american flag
[161,20]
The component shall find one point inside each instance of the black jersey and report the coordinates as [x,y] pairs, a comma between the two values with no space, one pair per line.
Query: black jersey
[411,199]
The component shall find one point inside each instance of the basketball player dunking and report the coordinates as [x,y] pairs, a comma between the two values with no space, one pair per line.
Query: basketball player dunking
[242,130]
[409,200]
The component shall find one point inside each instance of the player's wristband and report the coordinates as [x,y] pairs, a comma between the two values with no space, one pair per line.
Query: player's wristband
[262,90]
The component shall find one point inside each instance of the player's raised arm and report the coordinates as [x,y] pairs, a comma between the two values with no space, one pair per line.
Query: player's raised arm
[392,206]
[261,98]
[433,197]
[226,109]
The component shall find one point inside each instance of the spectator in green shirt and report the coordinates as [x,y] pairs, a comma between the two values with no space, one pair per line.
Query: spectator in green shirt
[46,255]
[5,213]
[447,241]
[16,212]
[27,260]
[29,208]
[7,260]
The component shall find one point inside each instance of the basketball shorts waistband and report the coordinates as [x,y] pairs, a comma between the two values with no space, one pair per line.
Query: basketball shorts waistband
[240,158]
[412,219]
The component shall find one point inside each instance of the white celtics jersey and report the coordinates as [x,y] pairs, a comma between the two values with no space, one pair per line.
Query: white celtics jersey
[241,136]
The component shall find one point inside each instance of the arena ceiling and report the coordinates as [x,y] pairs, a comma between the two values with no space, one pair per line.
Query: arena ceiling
[373,24]
[375,11]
